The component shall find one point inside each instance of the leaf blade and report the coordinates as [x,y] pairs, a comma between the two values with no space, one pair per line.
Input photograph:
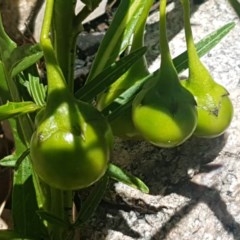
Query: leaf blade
[108,76]
[23,57]
[203,46]
[118,174]
[15,109]
[92,201]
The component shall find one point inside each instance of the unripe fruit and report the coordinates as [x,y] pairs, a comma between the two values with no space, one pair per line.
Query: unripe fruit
[164,112]
[215,110]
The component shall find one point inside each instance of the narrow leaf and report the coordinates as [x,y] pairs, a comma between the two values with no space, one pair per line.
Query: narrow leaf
[24,204]
[14,160]
[102,81]
[236,6]
[115,42]
[11,235]
[91,203]
[204,45]
[118,174]
[52,219]
[9,161]
[14,109]
[118,106]
[6,44]
[23,57]
[91,4]
[5,94]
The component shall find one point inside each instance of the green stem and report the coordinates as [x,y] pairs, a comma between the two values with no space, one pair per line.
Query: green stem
[56,208]
[138,39]
[192,53]
[194,63]
[168,76]
[64,36]
[138,42]
[166,59]
[54,73]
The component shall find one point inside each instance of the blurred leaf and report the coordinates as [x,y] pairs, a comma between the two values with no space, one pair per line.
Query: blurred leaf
[15,109]
[50,218]
[24,204]
[91,203]
[118,174]
[11,235]
[6,48]
[3,83]
[14,160]
[115,42]
[9,161]
[36,89]
[23,57]
[108,76]
[91,4]
[6,44]
[236,6]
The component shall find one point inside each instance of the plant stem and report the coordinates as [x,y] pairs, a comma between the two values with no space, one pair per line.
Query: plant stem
[168,76]
[56,208]
[56,82]
[54,72]
[194,63]
[64,36]
[138,40]
[164,47]
[192,53]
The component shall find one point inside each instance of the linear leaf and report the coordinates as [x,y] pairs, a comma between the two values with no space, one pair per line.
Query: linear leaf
[108,76]
[120,104]
[236,6]
[14,160]
[204,45]
[52,219]
[23,57]
[14,109]
[91,4]
[24,205]
[91,203]
[6,44]
[118,174]
[3,83]
[11,235]
[115,42]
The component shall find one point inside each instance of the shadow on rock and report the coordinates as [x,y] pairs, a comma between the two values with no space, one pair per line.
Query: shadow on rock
[161,168]
[200,194]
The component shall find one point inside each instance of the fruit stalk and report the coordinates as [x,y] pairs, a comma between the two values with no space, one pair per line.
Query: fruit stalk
[214,106]
[163,111]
